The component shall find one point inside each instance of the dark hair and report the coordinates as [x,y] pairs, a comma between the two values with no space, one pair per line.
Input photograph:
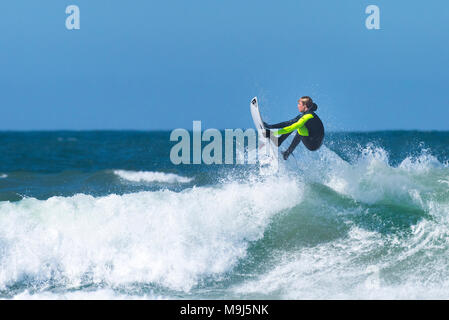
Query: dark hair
[312,106]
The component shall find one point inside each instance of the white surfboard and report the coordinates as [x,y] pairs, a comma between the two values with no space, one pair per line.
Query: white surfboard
[267,150]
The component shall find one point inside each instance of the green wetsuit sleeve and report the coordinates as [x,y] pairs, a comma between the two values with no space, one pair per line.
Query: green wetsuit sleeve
[297,125]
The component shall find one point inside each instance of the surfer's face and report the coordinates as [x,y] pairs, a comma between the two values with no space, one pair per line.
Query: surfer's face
[301,106]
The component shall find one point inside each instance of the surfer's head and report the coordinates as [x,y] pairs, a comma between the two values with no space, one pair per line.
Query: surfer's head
[306,104]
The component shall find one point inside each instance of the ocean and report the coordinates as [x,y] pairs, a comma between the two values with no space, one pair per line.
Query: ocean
[106,215]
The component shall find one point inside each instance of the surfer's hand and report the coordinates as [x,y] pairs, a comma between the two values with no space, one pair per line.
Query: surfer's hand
[266,125]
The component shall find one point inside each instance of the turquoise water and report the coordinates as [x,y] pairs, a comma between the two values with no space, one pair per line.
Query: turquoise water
[107,215]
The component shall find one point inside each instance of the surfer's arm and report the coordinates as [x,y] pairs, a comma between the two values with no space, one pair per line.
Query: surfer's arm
[281,124]
[295,126]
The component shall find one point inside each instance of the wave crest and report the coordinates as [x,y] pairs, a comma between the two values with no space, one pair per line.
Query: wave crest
[167,238]
[151,176]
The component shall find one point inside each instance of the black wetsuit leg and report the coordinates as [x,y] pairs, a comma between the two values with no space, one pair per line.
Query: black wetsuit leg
[278,140]
[296,140]
[312,143]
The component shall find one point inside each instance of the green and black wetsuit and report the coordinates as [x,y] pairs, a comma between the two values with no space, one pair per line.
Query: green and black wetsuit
[310,131]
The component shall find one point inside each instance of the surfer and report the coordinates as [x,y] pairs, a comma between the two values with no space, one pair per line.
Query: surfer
[310,129]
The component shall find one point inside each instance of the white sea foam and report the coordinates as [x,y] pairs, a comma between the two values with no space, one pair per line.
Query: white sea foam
[151,176]
[100,294]
[421,164]
[400,263]
[342,269]
[411,264]
[166,238]
[371,178]
[3,175]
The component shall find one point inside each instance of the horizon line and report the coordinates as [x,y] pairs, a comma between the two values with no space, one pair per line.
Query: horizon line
[220,129]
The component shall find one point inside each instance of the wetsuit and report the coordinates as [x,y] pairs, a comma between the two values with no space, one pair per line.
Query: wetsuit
[310,131]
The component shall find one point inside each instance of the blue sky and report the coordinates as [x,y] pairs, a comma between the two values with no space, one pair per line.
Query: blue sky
[151,65]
